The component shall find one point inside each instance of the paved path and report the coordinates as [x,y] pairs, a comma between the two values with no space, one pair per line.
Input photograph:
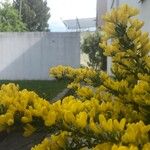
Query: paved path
[15,141]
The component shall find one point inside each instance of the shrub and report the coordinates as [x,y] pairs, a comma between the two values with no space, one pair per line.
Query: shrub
[113,115]
[90,46]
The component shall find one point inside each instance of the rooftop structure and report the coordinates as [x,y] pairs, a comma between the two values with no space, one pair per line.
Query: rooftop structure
[80,24]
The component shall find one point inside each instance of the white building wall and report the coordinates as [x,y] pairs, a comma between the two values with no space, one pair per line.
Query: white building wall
[101,10]
[30,55]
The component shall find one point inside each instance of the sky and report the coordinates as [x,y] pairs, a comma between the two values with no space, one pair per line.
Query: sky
[69,9]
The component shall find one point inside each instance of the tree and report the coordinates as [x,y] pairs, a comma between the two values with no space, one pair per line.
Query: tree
[90,46]
[9,19]
[34,13]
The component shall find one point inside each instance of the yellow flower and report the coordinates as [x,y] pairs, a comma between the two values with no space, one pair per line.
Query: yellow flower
[94,127]
[102,120]
[50,118]
[28,130]
[10,122]
[81,119]
[132,147]
[85,92]
[26,119]
[9,118]
[136,133]
[61,139]
[69,117]
[43,146]
[56,142]
[119,126]
[146,146]
[103,146]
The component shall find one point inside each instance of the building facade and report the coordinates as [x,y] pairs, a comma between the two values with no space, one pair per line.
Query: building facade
[101,10]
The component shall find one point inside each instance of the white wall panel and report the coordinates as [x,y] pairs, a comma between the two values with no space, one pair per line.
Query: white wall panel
[30,55]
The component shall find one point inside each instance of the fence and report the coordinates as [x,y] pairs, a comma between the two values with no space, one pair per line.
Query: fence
[28,56]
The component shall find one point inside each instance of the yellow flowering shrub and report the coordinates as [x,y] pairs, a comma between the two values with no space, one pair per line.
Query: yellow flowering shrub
[55,142]
[119,105]
[23,108]
[104,113]
[77,76]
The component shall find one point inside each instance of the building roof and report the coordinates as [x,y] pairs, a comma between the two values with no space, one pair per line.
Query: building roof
[84,23]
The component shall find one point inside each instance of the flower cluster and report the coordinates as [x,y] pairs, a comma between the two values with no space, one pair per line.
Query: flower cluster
[77,76]
[56,142]
[92,119]
[23,108]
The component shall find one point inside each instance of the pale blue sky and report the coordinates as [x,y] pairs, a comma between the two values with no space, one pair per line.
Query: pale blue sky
[69,9]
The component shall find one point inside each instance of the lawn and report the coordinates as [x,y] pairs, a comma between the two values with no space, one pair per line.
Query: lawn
[47,89]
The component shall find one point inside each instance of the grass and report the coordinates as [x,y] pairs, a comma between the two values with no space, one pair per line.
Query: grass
[47,89]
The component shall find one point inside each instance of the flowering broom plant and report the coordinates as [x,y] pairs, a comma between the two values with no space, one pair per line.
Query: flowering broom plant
[106,112]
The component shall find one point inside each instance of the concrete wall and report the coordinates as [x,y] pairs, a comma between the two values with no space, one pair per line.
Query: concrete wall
[30,55]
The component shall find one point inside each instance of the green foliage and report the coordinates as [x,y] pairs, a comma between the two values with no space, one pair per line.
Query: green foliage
[90,46]
[47,89]
[34,13]
[9,19]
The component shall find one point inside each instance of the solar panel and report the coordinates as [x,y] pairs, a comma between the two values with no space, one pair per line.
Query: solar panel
[84,23]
